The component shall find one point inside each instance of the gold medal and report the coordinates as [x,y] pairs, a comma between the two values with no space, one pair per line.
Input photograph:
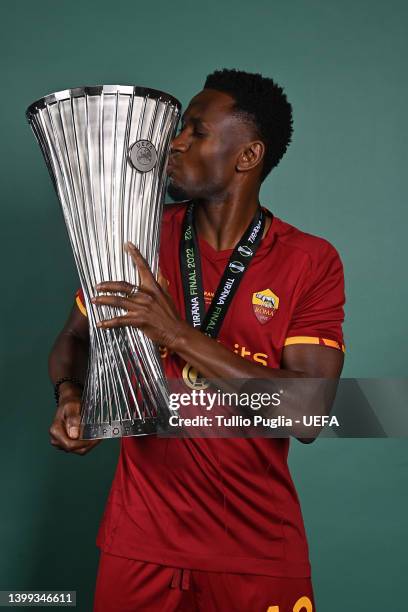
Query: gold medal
[193,379]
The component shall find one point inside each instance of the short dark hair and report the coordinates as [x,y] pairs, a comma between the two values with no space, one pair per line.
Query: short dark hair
[263,102]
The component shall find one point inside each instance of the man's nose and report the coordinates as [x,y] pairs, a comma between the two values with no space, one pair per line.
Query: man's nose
[180,143]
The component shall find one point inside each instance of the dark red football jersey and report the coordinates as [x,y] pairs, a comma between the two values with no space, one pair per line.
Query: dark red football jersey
[229,504]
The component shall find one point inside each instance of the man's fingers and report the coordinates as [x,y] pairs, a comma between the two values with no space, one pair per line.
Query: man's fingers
[65,429]
[147,281]
[72,426]
[163,282]
[146,277]
[142,298]
[60,440]
[124,288]
[124,321]
[136,256]
[115,287]
[72,414]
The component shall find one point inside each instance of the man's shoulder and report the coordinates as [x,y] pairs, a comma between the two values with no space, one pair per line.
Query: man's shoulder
[312,246]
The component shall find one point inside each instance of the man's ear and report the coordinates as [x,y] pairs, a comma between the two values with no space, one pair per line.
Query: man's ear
[251,156]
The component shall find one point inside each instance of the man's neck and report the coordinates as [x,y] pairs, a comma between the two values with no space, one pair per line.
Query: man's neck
[222,223]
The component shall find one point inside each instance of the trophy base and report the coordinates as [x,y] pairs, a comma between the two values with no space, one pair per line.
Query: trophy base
[118,429]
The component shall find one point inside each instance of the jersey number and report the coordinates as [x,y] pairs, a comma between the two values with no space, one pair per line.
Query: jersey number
[302,605]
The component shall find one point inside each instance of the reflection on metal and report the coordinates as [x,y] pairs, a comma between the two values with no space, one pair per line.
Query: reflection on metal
[106,149]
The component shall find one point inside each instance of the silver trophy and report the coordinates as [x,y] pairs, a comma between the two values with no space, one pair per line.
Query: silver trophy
[106,149]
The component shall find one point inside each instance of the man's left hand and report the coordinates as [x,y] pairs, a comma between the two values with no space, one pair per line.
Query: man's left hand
[150,308]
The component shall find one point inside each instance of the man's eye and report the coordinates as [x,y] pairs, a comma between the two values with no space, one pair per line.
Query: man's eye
[195,132]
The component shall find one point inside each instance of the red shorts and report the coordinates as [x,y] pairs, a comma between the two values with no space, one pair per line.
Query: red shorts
[126,585]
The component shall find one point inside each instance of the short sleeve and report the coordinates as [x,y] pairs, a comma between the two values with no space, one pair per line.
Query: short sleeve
[80,301]
[319,313]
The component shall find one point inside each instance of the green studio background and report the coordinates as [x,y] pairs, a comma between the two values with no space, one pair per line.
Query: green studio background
[342,65]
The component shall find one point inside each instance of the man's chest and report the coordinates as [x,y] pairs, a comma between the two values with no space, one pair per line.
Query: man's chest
[256,321]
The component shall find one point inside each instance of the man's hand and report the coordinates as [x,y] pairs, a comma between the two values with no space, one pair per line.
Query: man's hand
[64,431]
[150,309]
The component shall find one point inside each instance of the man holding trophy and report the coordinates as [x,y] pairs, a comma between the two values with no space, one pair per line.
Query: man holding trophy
[208,523]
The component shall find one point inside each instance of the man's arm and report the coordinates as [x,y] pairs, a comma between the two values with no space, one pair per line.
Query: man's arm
[213,360]
[69,355]
[69,359]
[308,377]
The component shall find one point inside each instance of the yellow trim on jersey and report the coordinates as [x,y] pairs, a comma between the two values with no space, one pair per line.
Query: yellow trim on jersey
[80,305]
[301,340]
[314,340]
[332,343]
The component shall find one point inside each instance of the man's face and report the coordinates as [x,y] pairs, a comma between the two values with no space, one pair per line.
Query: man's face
[204,154]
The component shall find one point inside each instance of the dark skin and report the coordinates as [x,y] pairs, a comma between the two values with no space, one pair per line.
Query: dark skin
[216,159]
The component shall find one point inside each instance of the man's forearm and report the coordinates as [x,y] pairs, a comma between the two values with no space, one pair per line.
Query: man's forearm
[301,392]
[68,358]
[215,361]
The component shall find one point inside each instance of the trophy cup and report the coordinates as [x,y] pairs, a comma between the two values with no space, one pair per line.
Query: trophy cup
[106,149]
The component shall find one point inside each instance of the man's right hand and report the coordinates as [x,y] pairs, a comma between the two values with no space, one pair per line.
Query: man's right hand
[64,430]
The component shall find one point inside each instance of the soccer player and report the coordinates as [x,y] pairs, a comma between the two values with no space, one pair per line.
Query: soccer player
[213,524]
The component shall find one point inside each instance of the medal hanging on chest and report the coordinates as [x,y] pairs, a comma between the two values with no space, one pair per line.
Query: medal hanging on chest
[190,263]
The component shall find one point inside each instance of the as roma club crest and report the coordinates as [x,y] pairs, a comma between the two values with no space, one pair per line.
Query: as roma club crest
[265,303]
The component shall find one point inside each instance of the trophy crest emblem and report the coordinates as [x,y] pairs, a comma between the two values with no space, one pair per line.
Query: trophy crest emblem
[143,155]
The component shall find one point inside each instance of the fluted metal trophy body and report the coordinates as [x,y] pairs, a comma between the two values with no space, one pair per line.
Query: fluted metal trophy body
[106,148]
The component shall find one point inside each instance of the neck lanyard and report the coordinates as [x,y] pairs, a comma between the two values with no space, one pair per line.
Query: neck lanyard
[210,323]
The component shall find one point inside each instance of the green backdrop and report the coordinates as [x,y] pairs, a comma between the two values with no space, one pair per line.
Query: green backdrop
[342,65]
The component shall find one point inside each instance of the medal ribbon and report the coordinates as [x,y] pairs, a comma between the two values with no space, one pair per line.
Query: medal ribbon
[210,323]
